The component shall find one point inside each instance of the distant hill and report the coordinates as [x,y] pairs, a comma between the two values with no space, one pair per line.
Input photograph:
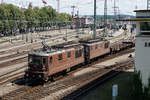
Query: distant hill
[111,16]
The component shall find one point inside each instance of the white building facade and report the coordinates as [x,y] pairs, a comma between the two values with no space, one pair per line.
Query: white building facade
[142,48]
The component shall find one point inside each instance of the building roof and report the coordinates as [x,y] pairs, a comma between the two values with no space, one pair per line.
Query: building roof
[139,17]
[134,19]
[142,11]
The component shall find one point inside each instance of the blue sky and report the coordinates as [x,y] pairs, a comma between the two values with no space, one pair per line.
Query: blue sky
[85,7]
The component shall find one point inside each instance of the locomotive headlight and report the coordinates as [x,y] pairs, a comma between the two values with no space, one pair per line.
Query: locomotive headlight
[43,68]
[40,76]
[27,75]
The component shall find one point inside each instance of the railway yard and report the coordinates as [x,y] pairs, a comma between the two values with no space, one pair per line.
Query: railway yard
[14,62]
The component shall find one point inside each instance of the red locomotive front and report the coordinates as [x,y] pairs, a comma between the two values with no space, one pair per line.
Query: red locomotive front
[37,66]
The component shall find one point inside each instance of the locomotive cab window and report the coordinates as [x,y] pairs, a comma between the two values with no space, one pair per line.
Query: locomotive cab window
[50,59]
[35,60]
[44,60]
[60,57]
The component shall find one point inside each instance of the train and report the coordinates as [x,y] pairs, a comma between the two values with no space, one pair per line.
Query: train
[49,62]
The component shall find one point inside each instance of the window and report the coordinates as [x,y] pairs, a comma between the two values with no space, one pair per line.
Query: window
[86,49]
[69,54]
[145,26]
[44,60]
[101,45]
[60,57]
[50,59]
[96,46]
[106,45]
[35,60]
[147,44]
[78,53]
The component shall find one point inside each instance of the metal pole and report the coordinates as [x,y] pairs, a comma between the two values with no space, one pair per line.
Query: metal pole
[94,31]
[105,17]
[105,13]
[115,13]
[66,34]
[147,4]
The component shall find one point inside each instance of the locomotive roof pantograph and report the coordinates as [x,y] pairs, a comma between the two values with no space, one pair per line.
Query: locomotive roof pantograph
[69,44]
[92,40]
[60,48]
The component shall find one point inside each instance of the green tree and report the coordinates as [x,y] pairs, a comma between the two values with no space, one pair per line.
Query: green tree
[137,87]
[13,19]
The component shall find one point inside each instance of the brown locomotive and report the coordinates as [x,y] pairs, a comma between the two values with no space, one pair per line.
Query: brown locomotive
[48,63]
[95,48]
[59,59]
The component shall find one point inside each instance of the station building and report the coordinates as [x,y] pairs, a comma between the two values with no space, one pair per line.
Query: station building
[142,48]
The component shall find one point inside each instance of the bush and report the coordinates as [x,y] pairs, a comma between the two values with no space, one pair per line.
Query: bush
[140,91]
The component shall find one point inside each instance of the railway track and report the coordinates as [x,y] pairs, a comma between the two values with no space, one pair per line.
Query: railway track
[6,60]
[36,36]
[13,61]
[12,75]
[56,37]
[28,47]
[41,91]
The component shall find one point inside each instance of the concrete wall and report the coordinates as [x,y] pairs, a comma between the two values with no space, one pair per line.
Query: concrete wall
[142,57]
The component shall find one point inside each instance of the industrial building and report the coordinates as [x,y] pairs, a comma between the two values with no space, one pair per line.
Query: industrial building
[142,51]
